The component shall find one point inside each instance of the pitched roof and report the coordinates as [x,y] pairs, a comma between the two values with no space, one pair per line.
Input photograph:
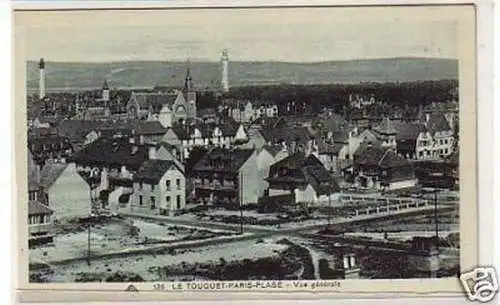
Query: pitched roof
[287,134]
[331,149]
[305,170]
[150,128]
[76,130]
[273,149]
[368,154]
[116,152]
[391,159]
[147,100]
[230,160]
[50,172]
[153,170]
[407,130]
[438,123]
[333,122]
[36,208]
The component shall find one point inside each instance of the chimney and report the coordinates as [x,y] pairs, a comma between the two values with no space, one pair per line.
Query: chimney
[152,152]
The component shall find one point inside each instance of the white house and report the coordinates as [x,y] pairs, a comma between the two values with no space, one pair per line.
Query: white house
[65,190]
[159,188]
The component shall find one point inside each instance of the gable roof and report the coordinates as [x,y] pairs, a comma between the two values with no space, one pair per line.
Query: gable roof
[232,159]
[76,130]
[305,170]
[368,154]
[150,128]
[438,123]
[407,130]
[50,172]
[287,134]
[36,208]
[112,152]
[153,170]
[273,149]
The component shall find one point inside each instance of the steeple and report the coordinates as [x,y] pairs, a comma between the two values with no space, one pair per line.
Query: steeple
[188,81]
[225,71]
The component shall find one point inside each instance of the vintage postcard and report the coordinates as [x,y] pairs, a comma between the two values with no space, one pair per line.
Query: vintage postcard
[238,151]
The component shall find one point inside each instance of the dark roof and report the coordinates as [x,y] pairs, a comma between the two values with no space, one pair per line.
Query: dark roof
[304,170]
[333,122]
[437,123]
[195,155]
[380,157]
[407,130]
[76,130]
[42,131]
[150,128]
[153,100]
[36,208]
[273,149]
[368,154]
[228,128]
[50,172]
[115,152]
[229,160]
[329,149]
[287,134]
[153,170]
[340,136]
[207,112]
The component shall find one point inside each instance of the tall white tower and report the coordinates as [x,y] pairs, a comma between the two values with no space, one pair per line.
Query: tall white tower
[225,73]
[41,81]
[105,91]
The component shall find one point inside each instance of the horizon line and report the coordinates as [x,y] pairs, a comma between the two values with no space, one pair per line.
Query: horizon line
[246,61]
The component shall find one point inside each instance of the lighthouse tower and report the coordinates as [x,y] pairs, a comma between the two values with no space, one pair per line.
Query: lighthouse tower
[225,72]
[41,81]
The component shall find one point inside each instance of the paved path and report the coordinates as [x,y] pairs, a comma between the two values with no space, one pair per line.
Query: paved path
[305,231]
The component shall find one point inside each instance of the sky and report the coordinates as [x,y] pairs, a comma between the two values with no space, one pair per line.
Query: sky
[266,36]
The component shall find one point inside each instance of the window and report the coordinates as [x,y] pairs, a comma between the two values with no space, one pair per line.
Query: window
[153,206]
[446,141]
[140,199]
[32,195]
[168,185]
[140,186]
[178,183]
[152,187]
[168,199]
[178,201]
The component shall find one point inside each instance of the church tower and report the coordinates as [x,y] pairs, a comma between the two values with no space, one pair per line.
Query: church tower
[225,71]
[190,92]
[41,80]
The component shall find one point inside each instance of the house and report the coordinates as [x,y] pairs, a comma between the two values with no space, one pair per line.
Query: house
[159,188]
[327,124]
[166,107]
[410,139]
[40,226]
[166,151]
[224,134]
[229,177]
[358,101]
[79,132]
[149,132]
[245,111]
[65,190]
[386,134]
[300,179]
[49,147]
[108,164]
[380,168]
[293,138]
[442,135]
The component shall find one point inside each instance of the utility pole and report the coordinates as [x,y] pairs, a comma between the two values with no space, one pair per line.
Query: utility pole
[436,210]
[241,201]
[89,223]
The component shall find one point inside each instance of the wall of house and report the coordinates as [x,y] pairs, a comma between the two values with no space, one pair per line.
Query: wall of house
[402,184]
[249,179]
[69,196]
[325,199]
[424,146]
[306,195]
[90,138]
[264,162]
[160,194]
[443,143]
[327,160]
[278,192]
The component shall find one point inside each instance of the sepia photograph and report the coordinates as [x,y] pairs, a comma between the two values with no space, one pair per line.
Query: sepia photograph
[252,147]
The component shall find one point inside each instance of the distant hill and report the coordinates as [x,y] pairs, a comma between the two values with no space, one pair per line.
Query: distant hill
[75,76]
